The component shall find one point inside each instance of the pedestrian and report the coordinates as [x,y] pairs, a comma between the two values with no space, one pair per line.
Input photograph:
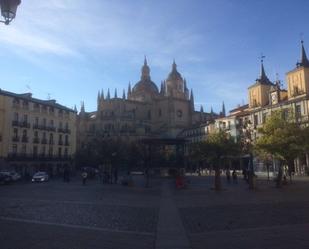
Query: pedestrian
[228,175]
[234,175]
[84,176]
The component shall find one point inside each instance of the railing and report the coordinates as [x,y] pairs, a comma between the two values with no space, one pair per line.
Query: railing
[15,139]
[36,140]
[24,139]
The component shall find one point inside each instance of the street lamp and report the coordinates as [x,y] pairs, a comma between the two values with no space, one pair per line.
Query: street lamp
[8,10]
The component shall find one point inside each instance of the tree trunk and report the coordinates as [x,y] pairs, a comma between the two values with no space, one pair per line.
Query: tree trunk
[291,168]
[279,177]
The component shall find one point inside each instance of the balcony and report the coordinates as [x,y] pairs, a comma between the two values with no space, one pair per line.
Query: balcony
[24,139]
[15,123]
[51,128]
[36,126]
[36,140]
[61,130]
[15,139]
[24,124]
[67,130]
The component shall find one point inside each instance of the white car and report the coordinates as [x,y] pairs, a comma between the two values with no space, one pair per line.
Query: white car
[40,176]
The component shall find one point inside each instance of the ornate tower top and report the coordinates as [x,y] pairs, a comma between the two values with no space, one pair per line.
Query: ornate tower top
[145,71]
[263,77]
[304,60]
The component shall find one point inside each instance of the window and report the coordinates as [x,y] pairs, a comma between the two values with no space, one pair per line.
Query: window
[59,151]
[160,113]
[256,120]
[14,148]
[15,116]
[24,149]
[43,151]
[298,112]
[51,138]
[285,114]
[44,122]
[36,121]
[264,117]
[15,133]
[35,150]
[50,151]
[66,152]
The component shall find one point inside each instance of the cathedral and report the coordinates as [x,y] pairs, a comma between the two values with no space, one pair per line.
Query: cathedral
[144,112]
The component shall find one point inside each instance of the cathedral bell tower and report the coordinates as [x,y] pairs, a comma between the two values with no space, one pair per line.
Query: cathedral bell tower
[175,84]
[298,79]
[259,91]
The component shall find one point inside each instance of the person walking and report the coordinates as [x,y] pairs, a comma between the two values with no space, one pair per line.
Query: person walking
[228,175]
[84,176]
[234,175]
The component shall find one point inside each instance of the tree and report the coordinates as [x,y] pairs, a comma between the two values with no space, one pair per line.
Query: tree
[217,148]
[282,138]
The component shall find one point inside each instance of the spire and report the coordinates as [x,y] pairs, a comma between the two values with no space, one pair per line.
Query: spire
[174,67]
[202,109]
[129,90]
[82,107]
[223,109]
[108,95]
[99,97]
[124,94]
[115,95]
[263,77]
[102,95]
[211,110]
[192,100]
[304,60]
[162,87]
[75,109]
[145,71]
[98,100]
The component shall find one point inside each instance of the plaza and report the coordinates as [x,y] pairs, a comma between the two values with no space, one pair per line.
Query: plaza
[69,215]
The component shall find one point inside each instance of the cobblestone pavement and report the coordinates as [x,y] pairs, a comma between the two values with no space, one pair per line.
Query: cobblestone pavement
[58,215]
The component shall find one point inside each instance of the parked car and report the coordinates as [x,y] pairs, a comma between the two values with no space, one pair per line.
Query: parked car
[5,178]
[40,176]
[14,175]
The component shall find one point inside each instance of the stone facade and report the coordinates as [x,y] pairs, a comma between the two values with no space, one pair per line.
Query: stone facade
[146,111]
[35,134]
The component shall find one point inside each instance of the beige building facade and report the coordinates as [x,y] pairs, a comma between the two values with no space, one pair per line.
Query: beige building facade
[35,134]
[145,111]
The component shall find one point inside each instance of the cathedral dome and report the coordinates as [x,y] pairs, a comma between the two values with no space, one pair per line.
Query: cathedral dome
[145,85]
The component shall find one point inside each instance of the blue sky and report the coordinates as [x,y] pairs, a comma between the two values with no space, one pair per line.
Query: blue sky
[70,49]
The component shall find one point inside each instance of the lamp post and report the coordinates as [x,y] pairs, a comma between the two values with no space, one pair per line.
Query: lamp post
[8,10]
